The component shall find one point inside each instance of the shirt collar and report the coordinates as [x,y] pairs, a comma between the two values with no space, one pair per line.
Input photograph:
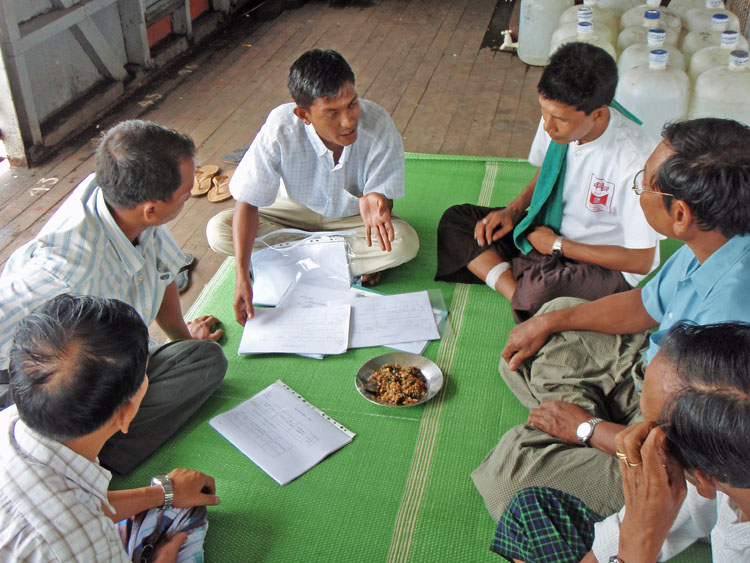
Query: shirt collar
[88,475]
[131,258]
[602,139]
[705,276]
[320,149]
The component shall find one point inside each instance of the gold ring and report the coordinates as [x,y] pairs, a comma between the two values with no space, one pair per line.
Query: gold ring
[621,456]
[633,464]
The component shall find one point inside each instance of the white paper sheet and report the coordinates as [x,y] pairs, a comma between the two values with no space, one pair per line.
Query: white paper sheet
[281,432]
[361,334]
[320,259]
[319,330]
[392,319]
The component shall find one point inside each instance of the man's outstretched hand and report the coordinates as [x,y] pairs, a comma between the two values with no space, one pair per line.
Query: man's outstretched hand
[243,300]
[375,210]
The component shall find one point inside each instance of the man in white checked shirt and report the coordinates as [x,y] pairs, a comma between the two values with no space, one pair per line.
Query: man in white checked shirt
[77,372]
[110,239]
[340,161]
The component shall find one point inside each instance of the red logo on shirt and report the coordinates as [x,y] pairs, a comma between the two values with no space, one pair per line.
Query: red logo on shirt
[600,194]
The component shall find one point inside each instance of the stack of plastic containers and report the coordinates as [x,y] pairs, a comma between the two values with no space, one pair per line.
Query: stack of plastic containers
[656,92]
[715,56]
[681,7]
[695,40]
[633,34]
[699,19]
[585,34]
[570,29]
[637,54]
[601,16]
[722,92]
[619,7]
[538,20]
[634,16]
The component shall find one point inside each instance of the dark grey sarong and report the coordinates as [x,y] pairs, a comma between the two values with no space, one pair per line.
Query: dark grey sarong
[539,277]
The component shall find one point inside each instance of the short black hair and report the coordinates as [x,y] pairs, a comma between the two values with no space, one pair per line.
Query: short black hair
[580,75]
[710,171]
[139,161]
[707,422]
[318,74]
[74,362]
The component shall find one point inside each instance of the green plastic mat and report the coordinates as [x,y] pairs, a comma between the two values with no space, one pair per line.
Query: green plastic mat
[401,491]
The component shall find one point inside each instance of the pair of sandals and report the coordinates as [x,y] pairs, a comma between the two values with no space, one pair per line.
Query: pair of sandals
[210,183]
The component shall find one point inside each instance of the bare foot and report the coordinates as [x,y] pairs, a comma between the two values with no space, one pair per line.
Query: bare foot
[372,279]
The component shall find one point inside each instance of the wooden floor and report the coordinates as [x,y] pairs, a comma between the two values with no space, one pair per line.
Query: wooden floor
[420,59]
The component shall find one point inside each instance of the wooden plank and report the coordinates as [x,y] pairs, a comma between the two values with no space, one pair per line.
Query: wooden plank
[182,23]
[47,25]
[133,24]
[97,48]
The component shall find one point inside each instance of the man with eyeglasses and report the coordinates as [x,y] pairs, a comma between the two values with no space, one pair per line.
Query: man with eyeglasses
[578,366]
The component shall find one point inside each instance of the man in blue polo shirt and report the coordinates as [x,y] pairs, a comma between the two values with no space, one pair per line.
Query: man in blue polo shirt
[577,365]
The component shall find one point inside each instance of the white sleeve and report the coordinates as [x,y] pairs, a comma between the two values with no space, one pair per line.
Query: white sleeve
[539,147]
[694,521]
[257,177]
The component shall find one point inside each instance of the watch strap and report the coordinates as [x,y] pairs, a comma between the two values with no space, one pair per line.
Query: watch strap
[557,246]
[165,482]
[593,422]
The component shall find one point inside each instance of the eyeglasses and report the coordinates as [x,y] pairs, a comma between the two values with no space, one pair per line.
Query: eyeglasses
[638,185]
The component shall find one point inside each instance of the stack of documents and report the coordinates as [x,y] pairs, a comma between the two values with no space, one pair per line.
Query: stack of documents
[340,319]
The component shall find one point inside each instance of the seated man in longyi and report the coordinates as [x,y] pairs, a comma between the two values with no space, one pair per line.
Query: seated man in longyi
[695,401]
[584,234]
[340,163]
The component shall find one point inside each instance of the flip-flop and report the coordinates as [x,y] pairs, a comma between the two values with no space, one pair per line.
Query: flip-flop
[203,176]
[183,275]
[220,189]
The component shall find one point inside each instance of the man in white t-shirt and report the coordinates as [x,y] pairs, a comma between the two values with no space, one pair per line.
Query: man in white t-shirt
[598,241]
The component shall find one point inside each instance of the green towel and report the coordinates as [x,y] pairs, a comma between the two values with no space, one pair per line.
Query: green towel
[546,203]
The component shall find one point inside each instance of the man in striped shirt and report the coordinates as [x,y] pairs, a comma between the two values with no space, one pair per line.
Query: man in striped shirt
[77,372]
[110,239]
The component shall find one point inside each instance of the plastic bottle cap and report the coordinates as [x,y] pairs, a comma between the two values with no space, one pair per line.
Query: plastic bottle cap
[585,28]
[656,35]
[585,14]
[729,38]
[714,3]
[719,22]
[652,14]
[738,59]
[658,58]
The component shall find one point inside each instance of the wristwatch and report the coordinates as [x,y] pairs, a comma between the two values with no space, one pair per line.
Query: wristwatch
[165,482]
[586,429]
[615,559]
[557,246]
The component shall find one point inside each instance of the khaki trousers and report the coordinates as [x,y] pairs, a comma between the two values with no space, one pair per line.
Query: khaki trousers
[285,213]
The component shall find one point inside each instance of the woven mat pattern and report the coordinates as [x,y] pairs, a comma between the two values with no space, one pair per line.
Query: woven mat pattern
[401,491]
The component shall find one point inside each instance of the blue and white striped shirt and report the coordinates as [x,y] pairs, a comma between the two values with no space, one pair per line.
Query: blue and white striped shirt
[287,149]
[81,250]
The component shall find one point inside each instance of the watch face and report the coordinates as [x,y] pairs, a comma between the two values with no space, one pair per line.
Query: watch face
[584,430]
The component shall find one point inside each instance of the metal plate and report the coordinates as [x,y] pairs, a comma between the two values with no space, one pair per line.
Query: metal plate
[429,369]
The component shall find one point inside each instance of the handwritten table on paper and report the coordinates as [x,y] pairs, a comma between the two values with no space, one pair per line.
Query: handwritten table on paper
[322,330]
[392,319]
[281,432]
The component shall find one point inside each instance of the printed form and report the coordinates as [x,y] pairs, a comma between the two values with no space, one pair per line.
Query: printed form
[281,432]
